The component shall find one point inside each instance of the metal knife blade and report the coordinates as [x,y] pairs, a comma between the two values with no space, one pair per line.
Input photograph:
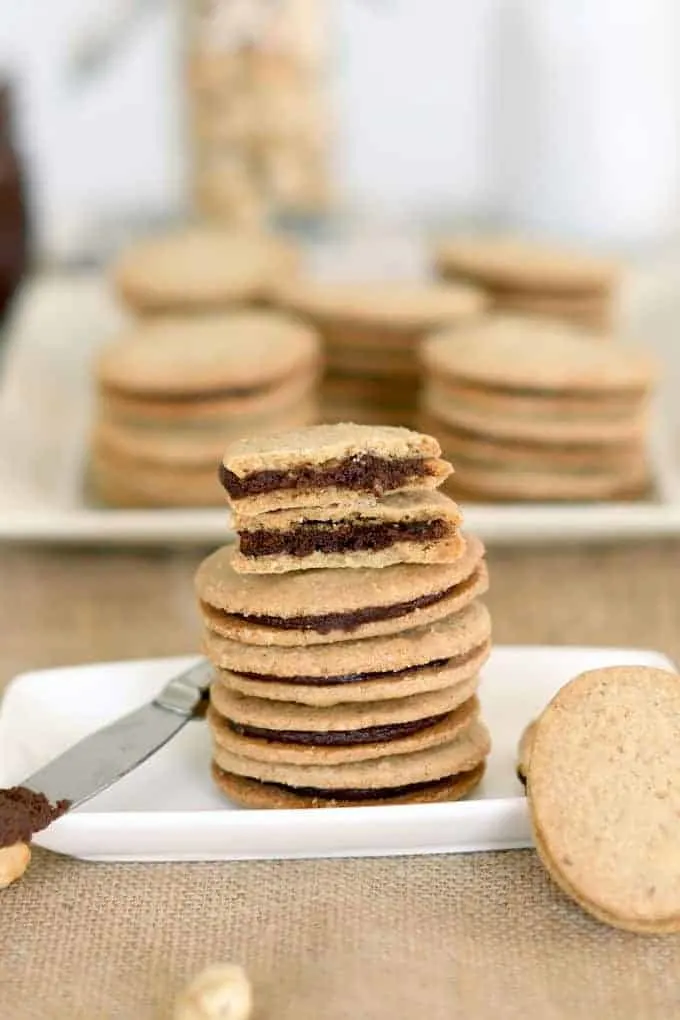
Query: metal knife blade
[98,761]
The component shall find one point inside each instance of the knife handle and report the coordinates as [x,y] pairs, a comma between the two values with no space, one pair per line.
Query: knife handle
[185,694]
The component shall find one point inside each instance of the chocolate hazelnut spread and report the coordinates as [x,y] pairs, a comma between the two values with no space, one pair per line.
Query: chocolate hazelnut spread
[348,678]
[362,473]
[338,738]
[349,621]
[340,536]
[24,812]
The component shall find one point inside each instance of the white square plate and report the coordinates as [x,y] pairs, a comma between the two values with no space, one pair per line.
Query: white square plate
[168,809]
[46,406]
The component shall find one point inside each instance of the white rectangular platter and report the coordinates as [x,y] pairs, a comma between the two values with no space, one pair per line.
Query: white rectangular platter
[45,412]
[168,810]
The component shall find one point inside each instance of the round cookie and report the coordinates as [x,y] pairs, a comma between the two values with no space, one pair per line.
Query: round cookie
[447,654]
[255,794]
[124,482]
[294,717]
[524,264]
[506,482]
[547,419]
[397,304]
[229,357]
[515,352]
[364,602]
[202,268]
[461,754]
[403,740]
[604,795]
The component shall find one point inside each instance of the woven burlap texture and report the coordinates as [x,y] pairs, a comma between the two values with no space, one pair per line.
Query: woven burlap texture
[476,936]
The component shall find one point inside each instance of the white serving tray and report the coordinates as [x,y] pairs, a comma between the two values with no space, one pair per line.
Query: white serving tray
[45,411]
[168,809]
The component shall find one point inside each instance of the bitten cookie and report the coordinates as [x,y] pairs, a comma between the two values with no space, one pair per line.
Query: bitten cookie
[328,464]
[604,795]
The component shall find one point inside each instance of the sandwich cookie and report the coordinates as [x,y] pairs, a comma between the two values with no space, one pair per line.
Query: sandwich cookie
[324,606]
[199,269]
[407,527]
[444,655]
[369,741]
[604,795]
[375,777]
[254,793]
[524,752]
[328,464]
[519,274]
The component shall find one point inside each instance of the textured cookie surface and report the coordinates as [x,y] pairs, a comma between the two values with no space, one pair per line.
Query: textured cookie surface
[604,794]
[413,527]
[339,748]
[524,263]
[321,606]
[391,303]
[255,794]
[200,267]
[328,464]
[467,750]
[442,654]
[515,352]
[211,356]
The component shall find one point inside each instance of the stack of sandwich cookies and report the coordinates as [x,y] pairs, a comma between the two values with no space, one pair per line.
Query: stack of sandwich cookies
[347,658]
[538,411]
[534,279]
[172,392]
[371,333]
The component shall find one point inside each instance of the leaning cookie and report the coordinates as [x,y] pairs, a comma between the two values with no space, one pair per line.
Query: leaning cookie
[603,790]
[524,752]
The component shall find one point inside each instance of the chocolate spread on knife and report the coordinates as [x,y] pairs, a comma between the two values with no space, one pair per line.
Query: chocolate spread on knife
[348,678]
[340,536]
[338,738]
[362,473]
[24,812]
[328,622]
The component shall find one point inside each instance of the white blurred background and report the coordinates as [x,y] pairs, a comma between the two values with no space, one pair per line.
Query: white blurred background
[559,116]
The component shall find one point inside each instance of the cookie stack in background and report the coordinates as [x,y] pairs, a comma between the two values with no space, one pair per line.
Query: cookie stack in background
[172,392]
[534,279]
[371,334]
[201,269]
[345,625]
[536,410]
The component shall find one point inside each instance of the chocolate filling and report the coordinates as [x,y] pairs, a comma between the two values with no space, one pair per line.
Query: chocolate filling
[341,536]
[338,738]
[349,678]
[328,622]
[24,812]
[362,473]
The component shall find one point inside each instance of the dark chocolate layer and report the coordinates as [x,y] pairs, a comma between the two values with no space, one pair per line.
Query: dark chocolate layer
[349,678]
[340,537]
[349,621]
[195,396]
[24,812]
[362,473]
[338,738]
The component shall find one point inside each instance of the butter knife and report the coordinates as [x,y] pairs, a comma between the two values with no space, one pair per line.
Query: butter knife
[98,761]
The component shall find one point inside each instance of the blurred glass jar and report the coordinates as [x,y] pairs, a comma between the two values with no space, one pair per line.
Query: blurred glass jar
[256,110]
[13,216]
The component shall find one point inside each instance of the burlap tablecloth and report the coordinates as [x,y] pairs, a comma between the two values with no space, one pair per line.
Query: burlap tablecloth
[476,936]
